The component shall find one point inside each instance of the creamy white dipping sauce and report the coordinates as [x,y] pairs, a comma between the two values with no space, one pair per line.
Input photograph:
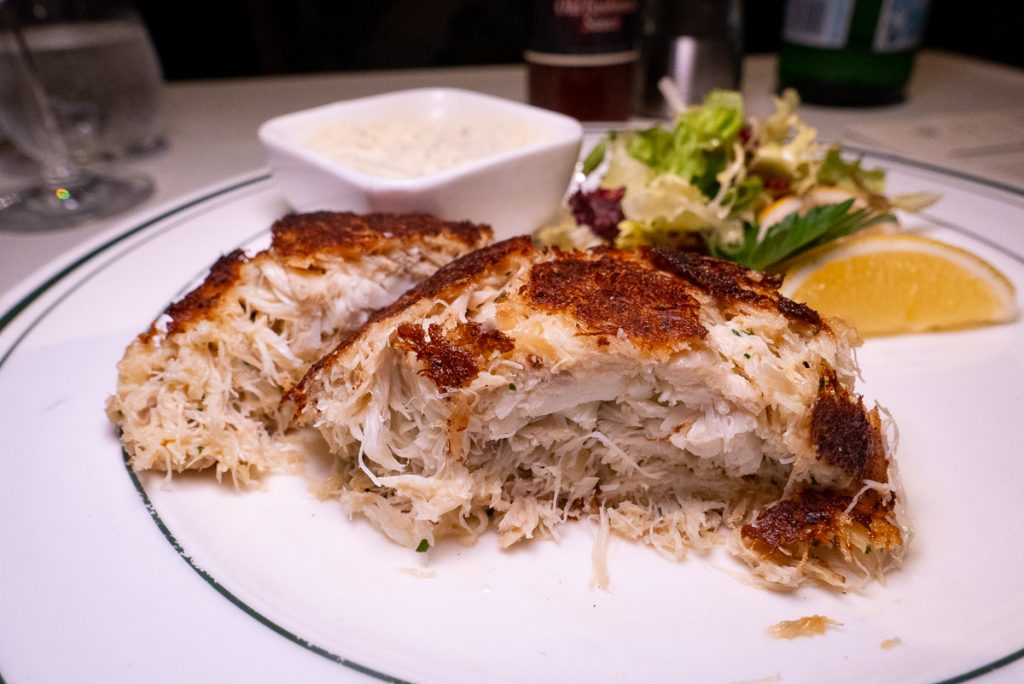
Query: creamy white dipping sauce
[410,146]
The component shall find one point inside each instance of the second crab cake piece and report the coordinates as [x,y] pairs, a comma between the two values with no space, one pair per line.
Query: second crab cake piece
[201,387]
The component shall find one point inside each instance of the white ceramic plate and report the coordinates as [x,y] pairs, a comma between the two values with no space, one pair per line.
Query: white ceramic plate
[104,577]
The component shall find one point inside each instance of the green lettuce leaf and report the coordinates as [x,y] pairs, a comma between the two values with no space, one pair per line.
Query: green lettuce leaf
[849,175]
[797,233]
[697,148]
[595,157]
[744,193]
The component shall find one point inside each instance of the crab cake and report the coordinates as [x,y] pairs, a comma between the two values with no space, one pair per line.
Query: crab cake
[202,386]
[677,399]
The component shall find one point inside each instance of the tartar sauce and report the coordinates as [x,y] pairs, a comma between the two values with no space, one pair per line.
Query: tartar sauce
[411,146]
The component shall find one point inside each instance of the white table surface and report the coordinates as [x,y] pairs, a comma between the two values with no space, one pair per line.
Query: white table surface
[211,127]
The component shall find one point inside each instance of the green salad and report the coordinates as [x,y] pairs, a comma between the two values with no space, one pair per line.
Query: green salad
[752,191]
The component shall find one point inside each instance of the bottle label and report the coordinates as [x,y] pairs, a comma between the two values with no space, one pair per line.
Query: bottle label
[900,25]
[818,23]
[584,26]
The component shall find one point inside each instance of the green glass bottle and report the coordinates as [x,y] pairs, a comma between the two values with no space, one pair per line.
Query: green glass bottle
[850,52]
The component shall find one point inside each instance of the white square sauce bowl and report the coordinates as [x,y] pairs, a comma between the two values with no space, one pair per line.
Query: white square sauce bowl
[456,154]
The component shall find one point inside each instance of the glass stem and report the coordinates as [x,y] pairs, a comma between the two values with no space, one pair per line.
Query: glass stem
[58,167]
[59,173]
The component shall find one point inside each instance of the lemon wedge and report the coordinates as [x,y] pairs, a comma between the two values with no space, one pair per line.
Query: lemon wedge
[891,284]
[778,210]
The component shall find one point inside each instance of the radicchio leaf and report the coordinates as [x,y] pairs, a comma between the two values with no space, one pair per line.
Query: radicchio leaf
[600,209]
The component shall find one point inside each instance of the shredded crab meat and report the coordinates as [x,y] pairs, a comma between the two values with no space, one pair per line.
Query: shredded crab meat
[676,451]
[208,396]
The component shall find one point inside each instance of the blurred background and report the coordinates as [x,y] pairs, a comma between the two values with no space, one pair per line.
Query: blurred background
[236,38]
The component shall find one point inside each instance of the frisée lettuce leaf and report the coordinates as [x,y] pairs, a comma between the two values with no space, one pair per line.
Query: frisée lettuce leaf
[696,149]
[753,190]
[849,175]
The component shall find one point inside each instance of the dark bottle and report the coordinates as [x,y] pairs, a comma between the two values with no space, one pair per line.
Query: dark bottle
[582,59]
[850,52]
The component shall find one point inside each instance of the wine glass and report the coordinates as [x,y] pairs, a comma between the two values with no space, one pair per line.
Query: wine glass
[56,138]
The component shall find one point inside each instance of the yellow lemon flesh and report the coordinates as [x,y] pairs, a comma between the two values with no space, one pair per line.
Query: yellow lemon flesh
[890,284]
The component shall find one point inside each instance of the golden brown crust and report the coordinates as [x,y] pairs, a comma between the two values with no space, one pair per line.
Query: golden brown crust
[472,337]
[844,434]
[443,362]
[304,237]
[347,234]
[648,294]
[848,437]
[198,303]
[731,283]
[811,515]
[457,273]
[816,519]
[616,291]
[452,359]
[448,278]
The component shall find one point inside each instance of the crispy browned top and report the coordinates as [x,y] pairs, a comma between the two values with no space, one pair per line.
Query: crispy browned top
[302,235]
[196,304]
[449,278]
[731,283]
[472,337]
[649,294]
[458,273]
[452,359]
[811,515]
[309,235]
[616,291]
[848,437]
[816,518]
[845,435]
